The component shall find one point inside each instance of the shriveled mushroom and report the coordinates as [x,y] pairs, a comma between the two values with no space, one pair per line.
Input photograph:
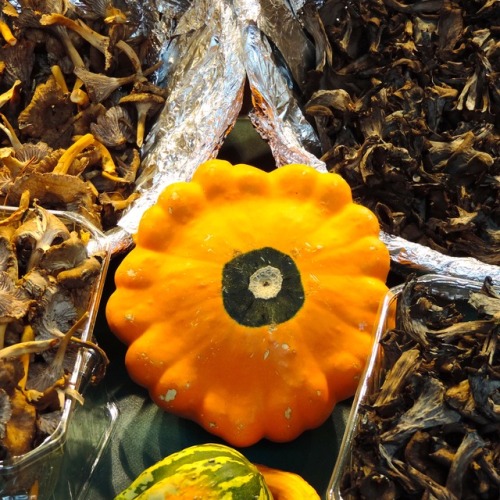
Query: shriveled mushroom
[27,157]
[8,258]
[114,129]
[56,313]
[67,254]
[20,428]
[48,117]
[52,381]
[99,86]
[19,60]
[14,303]
[57,191]
[11,372]
[146,104]
[100,9]
[80,275]
[34,237]
[98,41]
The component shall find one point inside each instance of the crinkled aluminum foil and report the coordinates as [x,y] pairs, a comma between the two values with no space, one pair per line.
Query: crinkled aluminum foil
[276,115]
[205,76]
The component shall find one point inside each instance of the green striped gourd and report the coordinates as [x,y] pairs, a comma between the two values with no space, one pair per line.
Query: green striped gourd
[207,471]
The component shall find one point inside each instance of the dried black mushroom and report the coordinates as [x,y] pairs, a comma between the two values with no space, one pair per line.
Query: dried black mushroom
[406,102]
[64,68]
[432,428]
[47,279]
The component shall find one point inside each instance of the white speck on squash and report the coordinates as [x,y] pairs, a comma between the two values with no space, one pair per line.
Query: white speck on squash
[266,354]
[169,395]
[129,317]
[362,326]
[285,347]
[288,413]
[131,273]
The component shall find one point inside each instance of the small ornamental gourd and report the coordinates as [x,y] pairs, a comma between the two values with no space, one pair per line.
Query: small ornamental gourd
[205,471]
[249,299]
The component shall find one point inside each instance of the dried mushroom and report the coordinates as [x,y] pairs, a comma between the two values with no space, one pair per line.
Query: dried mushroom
[47,278]
[432,429]
[406,100]
[65,67]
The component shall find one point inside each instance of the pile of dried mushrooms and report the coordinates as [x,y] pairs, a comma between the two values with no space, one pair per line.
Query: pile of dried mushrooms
[405,98]
[76,98]
[432,429]
[47,284]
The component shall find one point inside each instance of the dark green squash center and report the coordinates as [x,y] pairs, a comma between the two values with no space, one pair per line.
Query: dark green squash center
[262,287]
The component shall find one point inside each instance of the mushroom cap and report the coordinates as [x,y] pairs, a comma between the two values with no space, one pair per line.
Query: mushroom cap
[14,302]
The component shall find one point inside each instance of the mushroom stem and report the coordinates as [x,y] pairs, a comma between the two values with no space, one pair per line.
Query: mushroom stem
[28,336]
[9,94]
[57,363]
[74,55]
[3,328]
[70,154]
[32,347]
[142,113]
[79,97]
[108,164]
[18,214]
[100,42]
[7,33]
[59,77]
[132,55]
[10,132]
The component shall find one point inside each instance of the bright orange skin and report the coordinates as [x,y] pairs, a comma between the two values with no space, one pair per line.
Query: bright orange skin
[246,383]
[286,485]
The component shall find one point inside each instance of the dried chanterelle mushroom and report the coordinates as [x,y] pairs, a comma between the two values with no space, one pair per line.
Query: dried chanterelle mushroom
[74,86]
[47,280]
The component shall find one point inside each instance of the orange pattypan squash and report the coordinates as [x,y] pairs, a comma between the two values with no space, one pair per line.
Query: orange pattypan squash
[249,299]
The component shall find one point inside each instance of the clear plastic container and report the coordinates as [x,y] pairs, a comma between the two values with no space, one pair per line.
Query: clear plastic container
[38,470]
[456,289]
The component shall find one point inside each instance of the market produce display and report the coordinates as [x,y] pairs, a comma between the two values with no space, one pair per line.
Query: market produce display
[247,300]
[251,310]
[428,424]
[215,471]
[76,99]
[48,281]
[405,99]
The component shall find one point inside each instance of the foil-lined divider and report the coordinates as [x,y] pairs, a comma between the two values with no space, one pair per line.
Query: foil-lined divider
[276,114]
[204,73]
